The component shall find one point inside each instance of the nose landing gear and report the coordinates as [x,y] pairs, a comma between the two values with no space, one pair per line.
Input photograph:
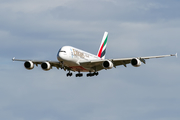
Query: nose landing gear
[69,74]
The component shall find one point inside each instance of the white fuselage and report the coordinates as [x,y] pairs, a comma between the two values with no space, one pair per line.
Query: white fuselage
[72,56]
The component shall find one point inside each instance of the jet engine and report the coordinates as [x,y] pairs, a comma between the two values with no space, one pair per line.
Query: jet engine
[46,66]
[135,62]
[29,65]
[107,64]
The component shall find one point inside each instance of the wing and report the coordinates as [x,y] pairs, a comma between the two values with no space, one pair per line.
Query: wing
[125,61]
[56,64]
[97,64]
[93,64]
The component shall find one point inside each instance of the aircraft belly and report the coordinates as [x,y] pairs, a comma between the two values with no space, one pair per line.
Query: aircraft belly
[79,69]
[75,67]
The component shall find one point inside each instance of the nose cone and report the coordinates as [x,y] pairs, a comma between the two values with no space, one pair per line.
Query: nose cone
[59,55]
[62,54]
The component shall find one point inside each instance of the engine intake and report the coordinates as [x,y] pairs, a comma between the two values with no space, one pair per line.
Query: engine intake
[107,64]
[29,65]
[135,62]
[46,66]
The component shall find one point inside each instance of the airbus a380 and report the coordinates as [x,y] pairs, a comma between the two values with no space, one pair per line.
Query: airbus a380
[73,59]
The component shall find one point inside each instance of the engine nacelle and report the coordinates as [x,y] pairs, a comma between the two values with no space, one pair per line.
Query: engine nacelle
[46,66]
[135,62]
[107,64]
[29,65]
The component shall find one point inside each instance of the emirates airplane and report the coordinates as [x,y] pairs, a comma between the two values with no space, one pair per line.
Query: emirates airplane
[73,59]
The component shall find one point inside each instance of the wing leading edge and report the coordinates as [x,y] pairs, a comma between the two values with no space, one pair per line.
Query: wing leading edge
[56,64]
[97,64]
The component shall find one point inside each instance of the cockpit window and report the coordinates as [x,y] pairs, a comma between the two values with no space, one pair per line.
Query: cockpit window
[62,51]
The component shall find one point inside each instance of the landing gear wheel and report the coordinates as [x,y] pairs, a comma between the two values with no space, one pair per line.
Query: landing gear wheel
[69,74]
[92,74]
[79,75]
[96,73]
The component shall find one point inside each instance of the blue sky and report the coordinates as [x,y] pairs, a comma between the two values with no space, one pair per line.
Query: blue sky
[36,29]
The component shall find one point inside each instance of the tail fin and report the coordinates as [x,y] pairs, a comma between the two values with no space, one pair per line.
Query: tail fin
[102,49]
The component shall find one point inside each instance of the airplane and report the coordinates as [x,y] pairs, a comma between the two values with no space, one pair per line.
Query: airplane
[75,60]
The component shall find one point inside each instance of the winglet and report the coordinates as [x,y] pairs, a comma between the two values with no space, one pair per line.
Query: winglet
[174,55]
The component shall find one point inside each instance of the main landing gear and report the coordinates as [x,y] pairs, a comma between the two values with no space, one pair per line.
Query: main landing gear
[92,74]
[69,74]
[79,75]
